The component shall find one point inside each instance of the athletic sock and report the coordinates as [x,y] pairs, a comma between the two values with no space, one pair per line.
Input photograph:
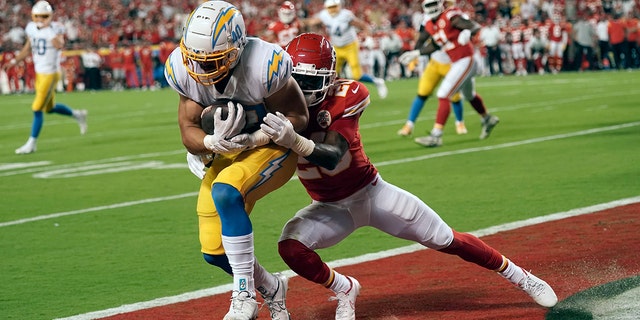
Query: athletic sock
[239,250]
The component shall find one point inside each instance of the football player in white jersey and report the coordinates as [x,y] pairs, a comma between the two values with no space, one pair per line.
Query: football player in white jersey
[349,193]
[217,63]
[341,24]
[45,40]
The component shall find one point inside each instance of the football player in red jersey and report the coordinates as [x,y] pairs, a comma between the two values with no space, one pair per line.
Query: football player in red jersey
[347,191]
[451,30]
[287,26]
[558,39]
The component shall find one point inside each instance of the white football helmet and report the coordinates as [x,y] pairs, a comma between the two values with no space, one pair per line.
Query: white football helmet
[314,65]
[212,42]
[41,13]
[432,8]
[333,6]
[287,12]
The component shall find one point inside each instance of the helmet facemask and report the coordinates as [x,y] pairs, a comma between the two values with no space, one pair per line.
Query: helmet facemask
[314,83]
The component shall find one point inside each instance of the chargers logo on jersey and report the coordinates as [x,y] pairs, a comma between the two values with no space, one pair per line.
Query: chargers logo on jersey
[171,76]
[273,70]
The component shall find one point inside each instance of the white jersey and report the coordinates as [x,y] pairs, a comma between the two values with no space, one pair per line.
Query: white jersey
[46,58]
[339,28]
[264,68]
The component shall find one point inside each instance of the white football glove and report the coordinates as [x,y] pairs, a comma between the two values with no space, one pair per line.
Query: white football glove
[464,37]
[252,140]
[280,130]
[196,165]
[223,130]
[409,56]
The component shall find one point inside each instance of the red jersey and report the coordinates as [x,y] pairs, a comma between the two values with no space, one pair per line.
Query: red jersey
[340,111]
[284,32]
[446,35]
[557,32]
[617,31]
[146,57]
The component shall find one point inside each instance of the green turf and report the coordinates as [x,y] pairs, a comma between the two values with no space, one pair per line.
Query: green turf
[88,226]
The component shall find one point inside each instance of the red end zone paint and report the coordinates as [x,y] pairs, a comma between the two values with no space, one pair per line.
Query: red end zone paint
[571,254]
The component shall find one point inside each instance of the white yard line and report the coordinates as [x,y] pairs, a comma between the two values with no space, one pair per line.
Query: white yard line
[380,164]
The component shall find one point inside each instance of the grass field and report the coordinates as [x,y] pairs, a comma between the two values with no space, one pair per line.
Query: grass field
[97,221]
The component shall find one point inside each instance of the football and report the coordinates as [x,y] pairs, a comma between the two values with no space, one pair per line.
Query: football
[206,117]
[253,116]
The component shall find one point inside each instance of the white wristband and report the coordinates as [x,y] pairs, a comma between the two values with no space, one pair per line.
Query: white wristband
[208,141]
[303,146]
[13,61]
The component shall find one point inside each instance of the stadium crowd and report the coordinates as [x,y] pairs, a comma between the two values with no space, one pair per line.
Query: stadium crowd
[134,37]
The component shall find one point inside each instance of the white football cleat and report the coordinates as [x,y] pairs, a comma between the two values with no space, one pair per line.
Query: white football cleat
[276,302]
[243,307]
[540,291]
[461,128]
[429,141]
[81,117]
[382,87]
[405,131]
[346,309]
[488,123]
[29,147]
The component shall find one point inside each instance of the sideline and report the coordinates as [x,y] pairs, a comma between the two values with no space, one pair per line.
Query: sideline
[344,262]
[379,164]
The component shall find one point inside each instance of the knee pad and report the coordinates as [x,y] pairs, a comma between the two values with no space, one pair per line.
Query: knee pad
[220,261]
[230,206]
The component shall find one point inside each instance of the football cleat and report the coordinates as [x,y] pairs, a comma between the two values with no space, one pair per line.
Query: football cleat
[382,88]
[461,128]
[276,302]
[540,291]
[81,117]
[405,131]
[26,148]
[488,123]
[346,309]
[429,141]
[243,307]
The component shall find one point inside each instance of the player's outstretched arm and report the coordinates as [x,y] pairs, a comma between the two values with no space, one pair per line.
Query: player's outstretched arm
[326,154]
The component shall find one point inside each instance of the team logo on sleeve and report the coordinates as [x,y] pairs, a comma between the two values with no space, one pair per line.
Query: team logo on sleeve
[324,119]
[274,67]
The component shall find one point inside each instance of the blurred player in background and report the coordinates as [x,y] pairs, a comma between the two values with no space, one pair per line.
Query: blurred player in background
[451,30]
[437,67]
[348,193]
[537,50]
[341,24]
[286,28]
[217,63]
[45,40]
[558,38]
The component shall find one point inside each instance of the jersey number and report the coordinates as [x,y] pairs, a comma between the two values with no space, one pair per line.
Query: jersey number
[40,46]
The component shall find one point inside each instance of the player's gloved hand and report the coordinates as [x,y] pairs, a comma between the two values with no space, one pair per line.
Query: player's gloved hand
[279,129]
[409,56]
[223,130]
[252,140]
[464,37]
[196,165]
